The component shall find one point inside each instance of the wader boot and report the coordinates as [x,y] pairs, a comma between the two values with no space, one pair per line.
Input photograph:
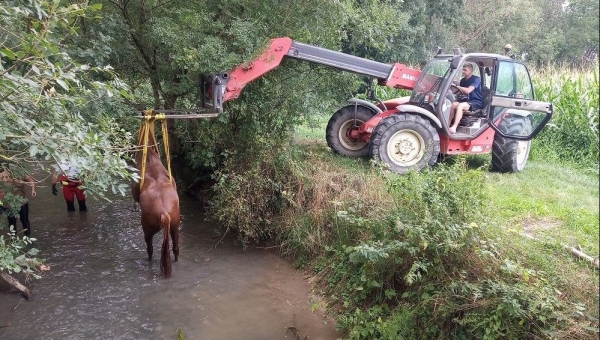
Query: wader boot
[82,206]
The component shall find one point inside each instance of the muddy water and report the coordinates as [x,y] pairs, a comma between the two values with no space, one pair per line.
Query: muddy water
[101,285]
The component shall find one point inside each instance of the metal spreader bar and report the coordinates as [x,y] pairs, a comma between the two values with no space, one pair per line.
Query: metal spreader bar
[176,114]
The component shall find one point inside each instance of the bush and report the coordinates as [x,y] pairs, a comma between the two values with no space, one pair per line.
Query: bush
[426,269]
[249,198]
[13,256]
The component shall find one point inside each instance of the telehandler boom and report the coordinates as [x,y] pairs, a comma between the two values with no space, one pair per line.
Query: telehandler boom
[411,132]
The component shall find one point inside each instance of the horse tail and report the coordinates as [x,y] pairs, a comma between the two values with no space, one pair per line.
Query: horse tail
[165,257]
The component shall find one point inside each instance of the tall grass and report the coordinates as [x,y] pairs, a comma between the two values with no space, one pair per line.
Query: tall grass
[572,134]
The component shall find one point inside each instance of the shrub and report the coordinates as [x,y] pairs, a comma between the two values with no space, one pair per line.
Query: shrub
[426,268]
[13,256]
[249,198]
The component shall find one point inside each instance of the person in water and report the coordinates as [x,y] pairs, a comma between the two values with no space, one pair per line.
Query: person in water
[68,177]
[16,186]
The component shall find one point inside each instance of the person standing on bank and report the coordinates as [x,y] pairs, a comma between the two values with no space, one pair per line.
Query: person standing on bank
[71,185]
[18,188]
[508,51]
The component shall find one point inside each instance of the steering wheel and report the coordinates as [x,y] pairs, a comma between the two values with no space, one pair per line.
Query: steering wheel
[454,89]
[453,93]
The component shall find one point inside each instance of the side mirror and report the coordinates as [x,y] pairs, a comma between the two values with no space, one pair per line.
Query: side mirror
[455,62]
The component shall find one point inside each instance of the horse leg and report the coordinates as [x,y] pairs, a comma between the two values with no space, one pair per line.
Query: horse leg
[175,238]
[149,247]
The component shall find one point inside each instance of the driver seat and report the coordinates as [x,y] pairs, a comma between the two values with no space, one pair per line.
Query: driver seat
[469,117]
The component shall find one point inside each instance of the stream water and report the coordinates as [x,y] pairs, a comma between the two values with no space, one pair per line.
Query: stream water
[101,286]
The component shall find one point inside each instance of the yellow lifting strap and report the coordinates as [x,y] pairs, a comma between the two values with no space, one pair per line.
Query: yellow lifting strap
[165,132]
[146,129]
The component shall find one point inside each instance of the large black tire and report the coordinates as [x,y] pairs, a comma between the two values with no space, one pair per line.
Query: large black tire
[343,120]
[510,155]
[405,142]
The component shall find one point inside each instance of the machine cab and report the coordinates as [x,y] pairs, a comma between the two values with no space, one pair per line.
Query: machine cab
[509,105]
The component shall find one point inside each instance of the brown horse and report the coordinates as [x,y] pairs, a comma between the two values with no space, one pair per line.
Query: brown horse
[159,203]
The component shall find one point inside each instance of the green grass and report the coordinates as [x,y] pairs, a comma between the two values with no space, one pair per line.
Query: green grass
[312,131]
[549,201]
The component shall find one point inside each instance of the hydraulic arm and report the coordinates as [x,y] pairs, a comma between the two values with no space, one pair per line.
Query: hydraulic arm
[226,86]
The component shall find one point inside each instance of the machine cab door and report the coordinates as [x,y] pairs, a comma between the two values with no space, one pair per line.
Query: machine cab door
[514,113]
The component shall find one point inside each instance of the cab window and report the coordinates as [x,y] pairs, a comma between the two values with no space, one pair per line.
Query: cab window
[513,81]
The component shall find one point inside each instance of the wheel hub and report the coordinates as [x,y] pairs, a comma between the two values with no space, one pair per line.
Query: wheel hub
[406,147]
[347,135]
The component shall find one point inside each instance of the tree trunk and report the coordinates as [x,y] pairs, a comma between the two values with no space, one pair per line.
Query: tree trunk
[15,283]
[174,143]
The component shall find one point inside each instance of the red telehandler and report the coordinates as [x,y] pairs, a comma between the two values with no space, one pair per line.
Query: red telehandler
[411,132]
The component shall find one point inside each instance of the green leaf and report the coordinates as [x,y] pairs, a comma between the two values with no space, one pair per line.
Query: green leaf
[33,150]
[62,84]
[7,53]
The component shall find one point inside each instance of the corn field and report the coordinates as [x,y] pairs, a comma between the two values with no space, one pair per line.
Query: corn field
[572,134]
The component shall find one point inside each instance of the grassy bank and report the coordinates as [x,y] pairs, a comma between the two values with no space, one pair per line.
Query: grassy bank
[444,253]
[554,203]
[437,254]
